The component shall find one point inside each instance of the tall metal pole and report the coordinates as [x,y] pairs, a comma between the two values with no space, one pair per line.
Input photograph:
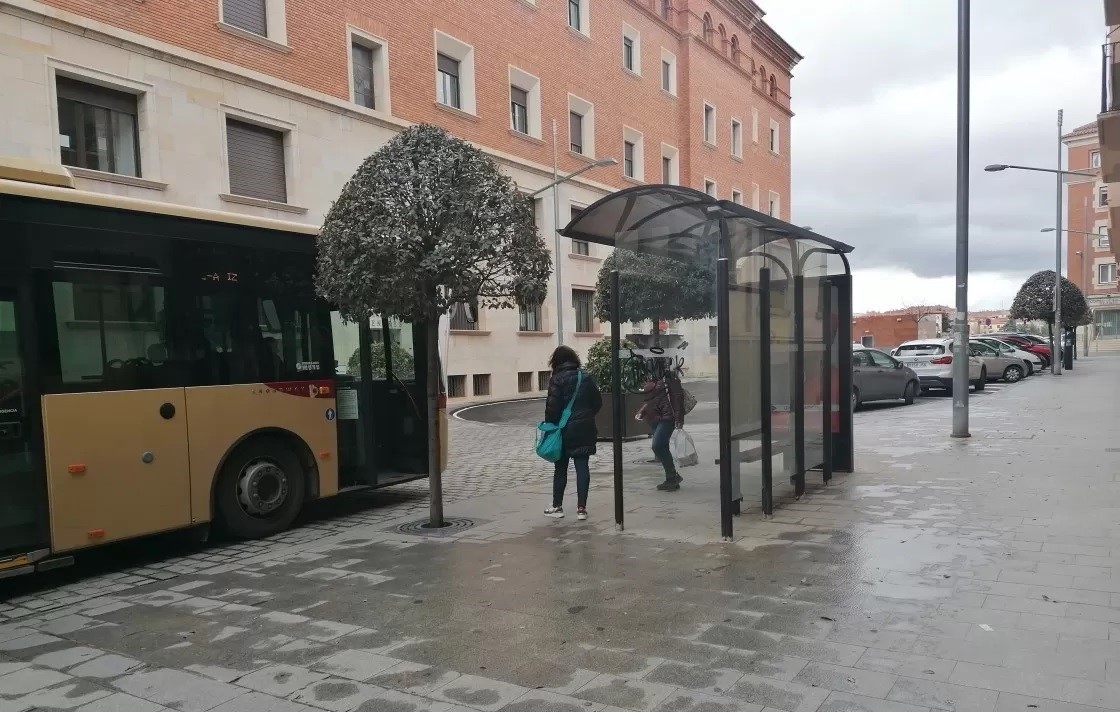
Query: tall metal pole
[1056,344]
[961,360]
[556,241]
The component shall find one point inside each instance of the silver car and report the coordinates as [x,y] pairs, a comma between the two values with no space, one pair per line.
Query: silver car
[877,376]
[1000,366]
[1033,360]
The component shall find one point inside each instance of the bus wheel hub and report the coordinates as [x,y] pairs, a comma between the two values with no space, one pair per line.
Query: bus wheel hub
[262,488]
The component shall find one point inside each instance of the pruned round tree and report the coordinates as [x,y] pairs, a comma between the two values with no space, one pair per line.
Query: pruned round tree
[428,221]
[1035,302]
[656,288]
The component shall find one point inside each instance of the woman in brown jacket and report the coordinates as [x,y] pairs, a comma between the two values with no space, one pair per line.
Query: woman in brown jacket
[663,413]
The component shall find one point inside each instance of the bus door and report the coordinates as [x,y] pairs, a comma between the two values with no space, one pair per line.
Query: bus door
[115,418]
[22,506]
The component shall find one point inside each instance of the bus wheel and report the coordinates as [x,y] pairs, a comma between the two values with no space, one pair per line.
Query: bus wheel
[260,489]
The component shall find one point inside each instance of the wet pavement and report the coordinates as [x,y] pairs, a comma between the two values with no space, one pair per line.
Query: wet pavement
[942,575]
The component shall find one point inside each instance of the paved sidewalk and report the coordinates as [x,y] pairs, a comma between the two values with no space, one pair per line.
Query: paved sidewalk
[951,575]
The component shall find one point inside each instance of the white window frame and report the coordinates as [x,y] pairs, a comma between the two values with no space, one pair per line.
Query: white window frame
[669,58]
[1104,241]
[586,109]
[291,156]
[736,196]
[584,18]
[711,187]
[1102,191]
[635,137]
[709,121]
[674,156]
[531,85]
[754,125]
[634,36]
[463,53]
[1094,159]
[775,137]
[756,194]
[275,23]
[147,139]
[774,205]
[736,137]
[380,48]
[1106,267]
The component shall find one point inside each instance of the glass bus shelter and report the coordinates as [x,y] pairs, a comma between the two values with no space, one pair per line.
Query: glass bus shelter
[783,303]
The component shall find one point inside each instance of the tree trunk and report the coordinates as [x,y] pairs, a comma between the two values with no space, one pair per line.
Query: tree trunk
[435,475]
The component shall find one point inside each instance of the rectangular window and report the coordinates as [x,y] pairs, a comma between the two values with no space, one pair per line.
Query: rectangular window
[461,318]
[709,124]
[670,167]
[575,20]
[1094,159]
[581,247]
[736,138]
[584,303]
[1103,241]
[361,57]
[737,196]
[668,72]
[256,161]
[531,318]
[775,138]
[1106,274]
[628,158]
[519,109]
[524,381]
[448,89]
[754,125]
[481,384]
[456,386]
[248,15]
[97,128]
[775,205]
[628,53]
[666,75]
[710,187]
[1102,196]
[575,131]
[543,377]
[666,170]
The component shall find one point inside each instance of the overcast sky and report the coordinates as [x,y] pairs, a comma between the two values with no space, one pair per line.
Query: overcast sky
[874,136]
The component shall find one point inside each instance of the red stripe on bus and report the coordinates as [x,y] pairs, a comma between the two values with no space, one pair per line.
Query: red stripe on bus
[304,389]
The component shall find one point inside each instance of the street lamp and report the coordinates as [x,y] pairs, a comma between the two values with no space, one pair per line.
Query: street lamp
[555,185]
[1055,363]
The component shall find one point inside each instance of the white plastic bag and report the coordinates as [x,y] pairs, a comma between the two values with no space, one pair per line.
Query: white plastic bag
[683,449]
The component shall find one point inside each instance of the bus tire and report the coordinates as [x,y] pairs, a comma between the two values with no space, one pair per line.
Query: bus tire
[260,489]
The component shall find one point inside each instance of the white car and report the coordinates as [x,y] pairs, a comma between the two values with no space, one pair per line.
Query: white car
[932,360]
[1034,361]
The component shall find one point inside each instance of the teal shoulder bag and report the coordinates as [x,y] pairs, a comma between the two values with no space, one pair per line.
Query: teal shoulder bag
[550,436]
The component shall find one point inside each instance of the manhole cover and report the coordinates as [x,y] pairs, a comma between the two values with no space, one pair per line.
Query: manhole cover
[451,524]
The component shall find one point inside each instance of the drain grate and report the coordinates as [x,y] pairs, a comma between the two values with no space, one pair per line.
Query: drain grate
[450,525]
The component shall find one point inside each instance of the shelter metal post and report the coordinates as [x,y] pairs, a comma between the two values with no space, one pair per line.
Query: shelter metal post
[826,379]
[767,412]
[799,385]
[616,398]
[843,450]
[723,357]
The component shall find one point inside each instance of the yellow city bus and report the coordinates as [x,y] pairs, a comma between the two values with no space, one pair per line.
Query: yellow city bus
[164,367]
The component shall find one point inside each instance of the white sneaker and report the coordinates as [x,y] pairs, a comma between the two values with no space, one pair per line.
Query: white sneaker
[554,512]
[581,514]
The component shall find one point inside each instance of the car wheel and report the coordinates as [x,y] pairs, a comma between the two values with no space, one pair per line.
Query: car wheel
[1013,374]
[983,382]
[260,489]
[855,399]
[910,393]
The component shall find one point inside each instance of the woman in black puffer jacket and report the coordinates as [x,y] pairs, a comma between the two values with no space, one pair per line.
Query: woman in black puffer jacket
[580,435]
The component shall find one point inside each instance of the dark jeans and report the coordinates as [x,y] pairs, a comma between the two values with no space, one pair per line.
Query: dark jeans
[560,481]
[662,432]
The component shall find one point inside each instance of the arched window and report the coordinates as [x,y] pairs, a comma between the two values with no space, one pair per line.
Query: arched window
[722,38]
[709,30]
[762,75]
[667,9]
[735,52]
[773,86]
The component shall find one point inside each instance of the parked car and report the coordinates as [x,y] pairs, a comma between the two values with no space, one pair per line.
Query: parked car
[1027,344]
[999,365]
[932,360]
[1034,361]
[877,376]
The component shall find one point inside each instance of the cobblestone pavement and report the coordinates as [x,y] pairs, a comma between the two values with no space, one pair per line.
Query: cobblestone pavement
[942,575]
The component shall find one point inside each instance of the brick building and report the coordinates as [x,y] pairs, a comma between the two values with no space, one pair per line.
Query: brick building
[1090,258]
[885,330]
[266,107]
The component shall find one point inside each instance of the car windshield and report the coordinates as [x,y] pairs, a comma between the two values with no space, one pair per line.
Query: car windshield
[920,350]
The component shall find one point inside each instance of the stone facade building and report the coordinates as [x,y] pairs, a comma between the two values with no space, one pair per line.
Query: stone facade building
[266,107]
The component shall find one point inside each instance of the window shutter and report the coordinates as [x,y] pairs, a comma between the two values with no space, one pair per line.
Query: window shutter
[249,15]
[519,96]
[447,65]
[256,161]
